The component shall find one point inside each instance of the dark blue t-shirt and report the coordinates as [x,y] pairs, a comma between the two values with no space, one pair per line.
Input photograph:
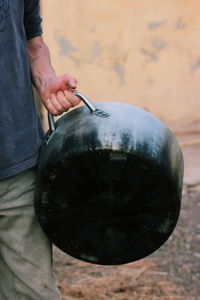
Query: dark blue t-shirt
[20,129]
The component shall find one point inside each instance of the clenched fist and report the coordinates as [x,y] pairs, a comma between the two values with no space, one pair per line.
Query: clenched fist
[56,93]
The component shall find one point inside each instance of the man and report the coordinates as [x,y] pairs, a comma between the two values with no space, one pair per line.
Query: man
[25,252]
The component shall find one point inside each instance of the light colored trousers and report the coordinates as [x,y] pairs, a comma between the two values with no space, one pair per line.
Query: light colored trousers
[25,252]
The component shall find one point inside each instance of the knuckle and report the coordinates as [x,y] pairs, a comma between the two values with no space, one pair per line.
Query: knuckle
[59,94]
[52,96]
[66,93]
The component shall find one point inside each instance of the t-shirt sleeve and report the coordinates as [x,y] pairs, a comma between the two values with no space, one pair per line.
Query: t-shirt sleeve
[32,19]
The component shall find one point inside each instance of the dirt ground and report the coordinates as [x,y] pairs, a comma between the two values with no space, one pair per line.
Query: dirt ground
[171,273]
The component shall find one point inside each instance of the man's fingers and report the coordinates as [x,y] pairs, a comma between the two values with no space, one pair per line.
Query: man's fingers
[74,100]
[49,106]
[63,101]
[70,81]
[56,103]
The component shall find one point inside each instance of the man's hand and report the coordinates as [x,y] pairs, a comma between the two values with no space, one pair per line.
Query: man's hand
[55,91]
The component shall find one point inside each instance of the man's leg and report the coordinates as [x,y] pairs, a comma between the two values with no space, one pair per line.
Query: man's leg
[25,252]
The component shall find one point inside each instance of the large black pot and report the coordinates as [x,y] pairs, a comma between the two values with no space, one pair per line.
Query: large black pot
[109,183]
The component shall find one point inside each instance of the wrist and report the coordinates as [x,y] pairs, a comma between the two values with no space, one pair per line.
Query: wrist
[42,80]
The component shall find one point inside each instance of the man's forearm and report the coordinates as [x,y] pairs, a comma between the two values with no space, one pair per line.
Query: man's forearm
[55,91]
[40,62]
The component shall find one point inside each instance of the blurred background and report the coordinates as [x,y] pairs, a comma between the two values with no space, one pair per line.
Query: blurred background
[145,53]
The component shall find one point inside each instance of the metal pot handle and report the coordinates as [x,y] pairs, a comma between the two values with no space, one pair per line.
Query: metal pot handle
[87,102]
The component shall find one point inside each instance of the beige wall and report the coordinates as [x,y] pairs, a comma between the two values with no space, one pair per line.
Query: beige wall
[143,52]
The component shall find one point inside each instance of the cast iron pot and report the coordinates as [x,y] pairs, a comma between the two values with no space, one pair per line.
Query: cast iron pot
[109,183]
